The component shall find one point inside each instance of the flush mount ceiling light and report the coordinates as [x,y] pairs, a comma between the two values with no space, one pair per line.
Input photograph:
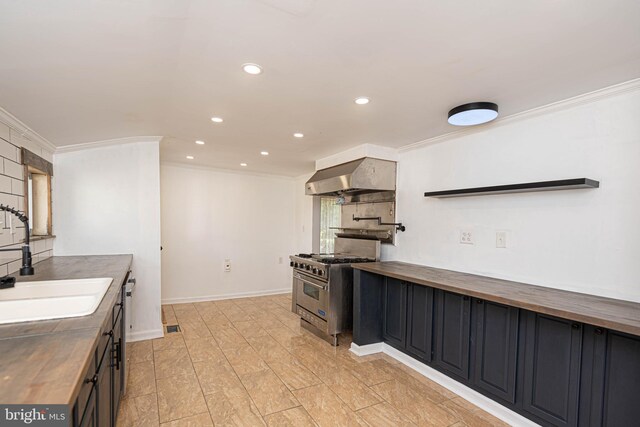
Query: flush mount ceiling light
[243,164]
[362,100]
[474,113]
[190,157]
[200,142]
[298,135]
[264,153]
[252,68]
[217,119]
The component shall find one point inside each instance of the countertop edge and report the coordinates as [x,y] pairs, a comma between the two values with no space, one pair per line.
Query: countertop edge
[631,327]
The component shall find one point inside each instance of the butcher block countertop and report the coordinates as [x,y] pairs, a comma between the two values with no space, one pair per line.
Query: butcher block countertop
[42,362]
[608,313]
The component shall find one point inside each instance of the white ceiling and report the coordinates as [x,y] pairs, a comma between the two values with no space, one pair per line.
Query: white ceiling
[89,70]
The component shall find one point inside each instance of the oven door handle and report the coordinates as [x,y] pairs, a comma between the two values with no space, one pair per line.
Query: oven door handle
[309,282]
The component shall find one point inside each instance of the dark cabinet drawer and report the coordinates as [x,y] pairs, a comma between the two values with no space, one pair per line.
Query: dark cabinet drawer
[394,312]
[419,321]
[552,368]
[453,333]
[496,348]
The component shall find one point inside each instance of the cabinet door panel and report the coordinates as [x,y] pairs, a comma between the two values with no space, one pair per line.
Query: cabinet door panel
[453,333]
[496,349]
[420,321]
[116,364]
[103,388]
[552,368]
[394,326]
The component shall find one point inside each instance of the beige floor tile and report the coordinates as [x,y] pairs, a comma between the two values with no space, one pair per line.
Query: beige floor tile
[413,404]
[244,359]
[228,337]
[204,349]
[352,391]
[367,372]
[179,397]
[267,392]
[217,376]
[235,314]
[266,320]
[215,319]
[194,328]
[294,417]
[201,420]
[142,379]
[141,351]
[141,411]
[171,340]
[470,414]
[172,362]
[430,389]
[326,408]
[269,349]
[233,410]
[444,392]
[383,415]
[293,373]
[249,328]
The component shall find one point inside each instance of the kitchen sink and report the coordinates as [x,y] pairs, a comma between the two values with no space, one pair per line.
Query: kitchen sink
[52,299]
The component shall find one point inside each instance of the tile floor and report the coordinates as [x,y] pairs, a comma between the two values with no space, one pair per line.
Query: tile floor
[247,362]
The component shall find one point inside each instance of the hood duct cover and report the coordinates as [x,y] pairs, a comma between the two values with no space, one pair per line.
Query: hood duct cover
[366,175]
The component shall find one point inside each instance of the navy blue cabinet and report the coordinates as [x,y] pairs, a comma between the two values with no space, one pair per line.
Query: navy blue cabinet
[419,321]
[552,358]
[394,312]
[495,349]
[453,333]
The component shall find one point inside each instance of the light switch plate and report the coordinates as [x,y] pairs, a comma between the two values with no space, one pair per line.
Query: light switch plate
[466,237]
[501,239]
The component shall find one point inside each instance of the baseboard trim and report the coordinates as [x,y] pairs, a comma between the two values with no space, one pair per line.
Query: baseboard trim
[226,296]
[145,335]
[481,401]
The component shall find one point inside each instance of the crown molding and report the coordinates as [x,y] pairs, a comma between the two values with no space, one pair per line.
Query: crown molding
[106,143]
[25,131]
[586,98]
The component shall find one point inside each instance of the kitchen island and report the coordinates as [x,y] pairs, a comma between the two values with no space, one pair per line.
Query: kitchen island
[555,357]
[57,361]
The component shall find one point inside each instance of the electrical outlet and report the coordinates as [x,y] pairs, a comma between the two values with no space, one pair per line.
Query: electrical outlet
[501,239]
[227,265]
[466,237]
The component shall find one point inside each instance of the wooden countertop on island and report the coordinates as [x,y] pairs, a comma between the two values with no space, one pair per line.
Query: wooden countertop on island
[42,362]
[605,312]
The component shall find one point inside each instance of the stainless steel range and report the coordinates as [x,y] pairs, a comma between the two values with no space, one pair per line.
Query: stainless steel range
[323,286]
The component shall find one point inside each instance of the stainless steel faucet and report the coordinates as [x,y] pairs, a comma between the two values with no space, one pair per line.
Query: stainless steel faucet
[26,269]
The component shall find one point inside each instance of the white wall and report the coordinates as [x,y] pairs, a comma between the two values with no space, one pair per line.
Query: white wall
[582,240]
[107,201]
[211,215]
[305,236]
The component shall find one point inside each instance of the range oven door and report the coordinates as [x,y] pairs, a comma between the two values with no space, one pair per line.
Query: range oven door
[311,294]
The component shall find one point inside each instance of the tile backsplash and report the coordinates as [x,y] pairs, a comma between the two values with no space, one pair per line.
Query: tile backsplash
[12,231]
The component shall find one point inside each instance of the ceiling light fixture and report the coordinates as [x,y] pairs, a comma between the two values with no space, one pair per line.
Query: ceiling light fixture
[190,157]
[264,153]
[362,100]
[252,68]
[217,119]
[474,113]
[298,135]
[200,142]
[243,164]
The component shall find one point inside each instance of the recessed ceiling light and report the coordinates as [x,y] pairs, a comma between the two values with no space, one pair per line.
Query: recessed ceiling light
[252,68]
[217,119]
[474,113]
[190,157]
[264,153]
[200,142]
[298,135]
[362,100]
[243,164]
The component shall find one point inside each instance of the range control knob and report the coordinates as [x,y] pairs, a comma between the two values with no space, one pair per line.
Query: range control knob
[290,263]
[308,267]
[315,270]
[321,272]
[295,264]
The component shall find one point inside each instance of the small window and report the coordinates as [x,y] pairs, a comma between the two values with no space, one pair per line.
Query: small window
[38,189]
[329,219]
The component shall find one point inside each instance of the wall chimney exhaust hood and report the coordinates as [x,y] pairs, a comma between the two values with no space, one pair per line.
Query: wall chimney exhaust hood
[366,175]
